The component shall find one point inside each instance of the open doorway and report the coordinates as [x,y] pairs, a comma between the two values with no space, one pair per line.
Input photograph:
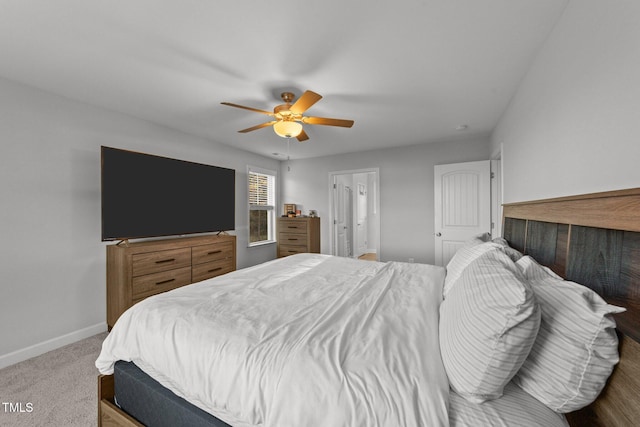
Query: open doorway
[354,213]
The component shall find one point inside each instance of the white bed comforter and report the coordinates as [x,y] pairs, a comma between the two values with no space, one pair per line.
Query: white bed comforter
[307,340]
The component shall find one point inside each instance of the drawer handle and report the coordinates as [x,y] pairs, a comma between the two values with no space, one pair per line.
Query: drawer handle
[215,269]
[214,252]
[293,239]
[292,226]
[164,261]
[165,281]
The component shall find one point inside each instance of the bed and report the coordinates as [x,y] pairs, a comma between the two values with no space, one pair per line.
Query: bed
[347,342]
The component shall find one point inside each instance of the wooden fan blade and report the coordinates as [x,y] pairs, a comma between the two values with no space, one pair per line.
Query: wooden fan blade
[260,126]
[268,113]
[327,122]
[304,102]
[303,136]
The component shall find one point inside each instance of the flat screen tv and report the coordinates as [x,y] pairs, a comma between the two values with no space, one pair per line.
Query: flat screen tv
[147,196]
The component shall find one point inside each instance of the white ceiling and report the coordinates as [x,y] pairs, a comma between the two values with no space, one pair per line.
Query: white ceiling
[407,71]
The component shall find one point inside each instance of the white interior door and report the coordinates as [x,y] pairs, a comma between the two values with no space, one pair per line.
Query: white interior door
[462,205]
[340,226]
[362,225]
[342,202]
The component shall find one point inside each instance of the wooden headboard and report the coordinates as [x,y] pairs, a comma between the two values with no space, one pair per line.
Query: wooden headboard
[594,240]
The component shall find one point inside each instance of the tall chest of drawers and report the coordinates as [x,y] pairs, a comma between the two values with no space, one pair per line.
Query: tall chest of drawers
[298,235]
[141,269]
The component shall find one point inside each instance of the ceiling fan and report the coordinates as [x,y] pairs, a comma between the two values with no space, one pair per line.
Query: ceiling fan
[288,118]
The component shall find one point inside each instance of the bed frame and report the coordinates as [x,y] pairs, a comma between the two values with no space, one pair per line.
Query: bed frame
[593,239]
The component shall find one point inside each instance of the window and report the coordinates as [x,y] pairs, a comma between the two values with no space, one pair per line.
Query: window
[262,196]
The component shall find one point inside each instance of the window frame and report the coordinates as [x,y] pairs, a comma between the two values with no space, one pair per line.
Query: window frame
[270,208]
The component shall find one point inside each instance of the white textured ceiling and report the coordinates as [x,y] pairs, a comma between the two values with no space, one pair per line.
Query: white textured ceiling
[407,71]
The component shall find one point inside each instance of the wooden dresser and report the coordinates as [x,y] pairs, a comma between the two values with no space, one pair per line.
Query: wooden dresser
[138,270]
[298,235]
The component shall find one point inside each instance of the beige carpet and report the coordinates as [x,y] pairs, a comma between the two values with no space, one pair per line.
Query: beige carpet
[61,387]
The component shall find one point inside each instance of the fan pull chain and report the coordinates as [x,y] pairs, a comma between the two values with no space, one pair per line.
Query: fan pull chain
[288,157]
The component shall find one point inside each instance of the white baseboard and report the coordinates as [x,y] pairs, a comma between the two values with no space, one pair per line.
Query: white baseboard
[52,344]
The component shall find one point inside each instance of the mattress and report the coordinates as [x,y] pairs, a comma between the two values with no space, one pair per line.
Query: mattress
[147,401]
[155,406]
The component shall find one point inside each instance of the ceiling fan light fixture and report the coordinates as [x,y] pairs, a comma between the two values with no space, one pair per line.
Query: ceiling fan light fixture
[287,118]
[287,129]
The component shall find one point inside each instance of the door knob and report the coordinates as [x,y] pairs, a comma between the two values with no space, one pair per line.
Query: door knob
[438,234]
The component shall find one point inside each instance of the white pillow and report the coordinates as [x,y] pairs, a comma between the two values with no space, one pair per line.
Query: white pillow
[577,346]
[471,250]
[488,323]
[514,254]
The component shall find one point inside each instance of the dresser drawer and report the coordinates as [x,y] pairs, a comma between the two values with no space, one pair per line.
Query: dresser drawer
[292,239]
[298,235]
[211,269]
[214,252]
[286,250]
[154,262]
[150,284]
[292,226]
[138,270]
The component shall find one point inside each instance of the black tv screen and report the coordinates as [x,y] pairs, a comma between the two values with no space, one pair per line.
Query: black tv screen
[147,196]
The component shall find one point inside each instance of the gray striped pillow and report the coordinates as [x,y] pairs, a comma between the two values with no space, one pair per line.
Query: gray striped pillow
[488,323]
[577,346]
[514,254]
[464,256]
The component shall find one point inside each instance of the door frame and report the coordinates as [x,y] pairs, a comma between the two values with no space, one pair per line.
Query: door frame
[375,193]
[497,195]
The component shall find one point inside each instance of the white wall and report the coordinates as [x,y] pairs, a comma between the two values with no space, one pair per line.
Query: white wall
[52,259]
[406,191]
[572,126]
